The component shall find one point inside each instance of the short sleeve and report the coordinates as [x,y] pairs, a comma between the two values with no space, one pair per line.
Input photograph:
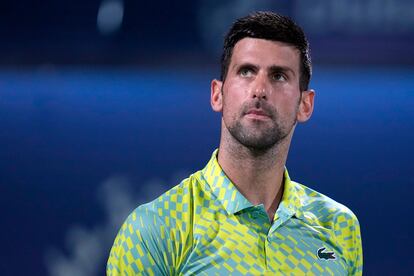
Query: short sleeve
[348,234]
[141,247]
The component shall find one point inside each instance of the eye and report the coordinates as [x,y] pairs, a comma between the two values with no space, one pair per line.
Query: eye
[245,72]
[279,77]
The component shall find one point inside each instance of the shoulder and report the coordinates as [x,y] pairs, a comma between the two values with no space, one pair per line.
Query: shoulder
[155,237]
[176,203]
[172,213]
[323,209]
[319,210]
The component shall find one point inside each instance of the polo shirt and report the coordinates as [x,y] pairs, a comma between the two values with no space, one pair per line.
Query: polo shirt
[205,226]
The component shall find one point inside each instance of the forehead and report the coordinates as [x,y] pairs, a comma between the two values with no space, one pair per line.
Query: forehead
[265,53]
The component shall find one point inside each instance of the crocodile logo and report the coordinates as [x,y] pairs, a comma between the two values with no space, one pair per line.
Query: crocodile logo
[325,255]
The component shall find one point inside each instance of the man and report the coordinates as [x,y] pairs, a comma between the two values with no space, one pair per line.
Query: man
[241,214]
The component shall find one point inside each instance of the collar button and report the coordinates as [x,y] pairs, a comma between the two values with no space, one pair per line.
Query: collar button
[255,214]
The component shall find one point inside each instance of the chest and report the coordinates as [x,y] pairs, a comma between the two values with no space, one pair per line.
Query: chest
[250,245]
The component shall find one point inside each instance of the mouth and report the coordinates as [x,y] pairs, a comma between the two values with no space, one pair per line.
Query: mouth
[257,114]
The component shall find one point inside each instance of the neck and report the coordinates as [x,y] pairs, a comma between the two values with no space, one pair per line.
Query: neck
[257,174]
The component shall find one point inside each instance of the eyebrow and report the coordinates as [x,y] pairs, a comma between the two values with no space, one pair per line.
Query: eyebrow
[277,68]
[246,64]
[273,68]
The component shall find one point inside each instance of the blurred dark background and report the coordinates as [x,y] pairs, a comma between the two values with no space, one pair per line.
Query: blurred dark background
[105,104]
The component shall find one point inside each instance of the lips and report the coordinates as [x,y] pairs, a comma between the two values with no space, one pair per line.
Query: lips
[257,114]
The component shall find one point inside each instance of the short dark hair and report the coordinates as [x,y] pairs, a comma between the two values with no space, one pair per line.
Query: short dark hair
[270,26]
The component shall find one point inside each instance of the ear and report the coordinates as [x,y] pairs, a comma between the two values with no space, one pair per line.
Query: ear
[306,105]
[216,99]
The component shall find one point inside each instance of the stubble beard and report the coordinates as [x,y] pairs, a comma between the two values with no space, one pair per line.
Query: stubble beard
[260,136]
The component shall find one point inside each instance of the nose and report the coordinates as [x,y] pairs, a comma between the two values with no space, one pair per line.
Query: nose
[259,88]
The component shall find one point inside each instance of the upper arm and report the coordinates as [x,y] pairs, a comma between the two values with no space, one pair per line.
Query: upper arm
[141,247]
[348,234]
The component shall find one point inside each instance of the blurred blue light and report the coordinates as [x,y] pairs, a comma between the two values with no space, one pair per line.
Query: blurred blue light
[110,16]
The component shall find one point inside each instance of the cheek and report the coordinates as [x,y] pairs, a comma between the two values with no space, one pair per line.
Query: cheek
[232,102]
[286,106]
[228,110]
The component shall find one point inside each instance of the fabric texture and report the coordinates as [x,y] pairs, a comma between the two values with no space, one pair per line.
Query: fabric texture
[205,226]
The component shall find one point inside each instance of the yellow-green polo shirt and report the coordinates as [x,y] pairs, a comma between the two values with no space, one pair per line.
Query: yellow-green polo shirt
[205,226]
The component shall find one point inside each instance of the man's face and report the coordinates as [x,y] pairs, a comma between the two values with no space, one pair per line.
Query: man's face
[261,98]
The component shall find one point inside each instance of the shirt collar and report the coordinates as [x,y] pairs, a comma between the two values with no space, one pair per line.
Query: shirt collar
[221,186]
[233,201]
[291,200]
